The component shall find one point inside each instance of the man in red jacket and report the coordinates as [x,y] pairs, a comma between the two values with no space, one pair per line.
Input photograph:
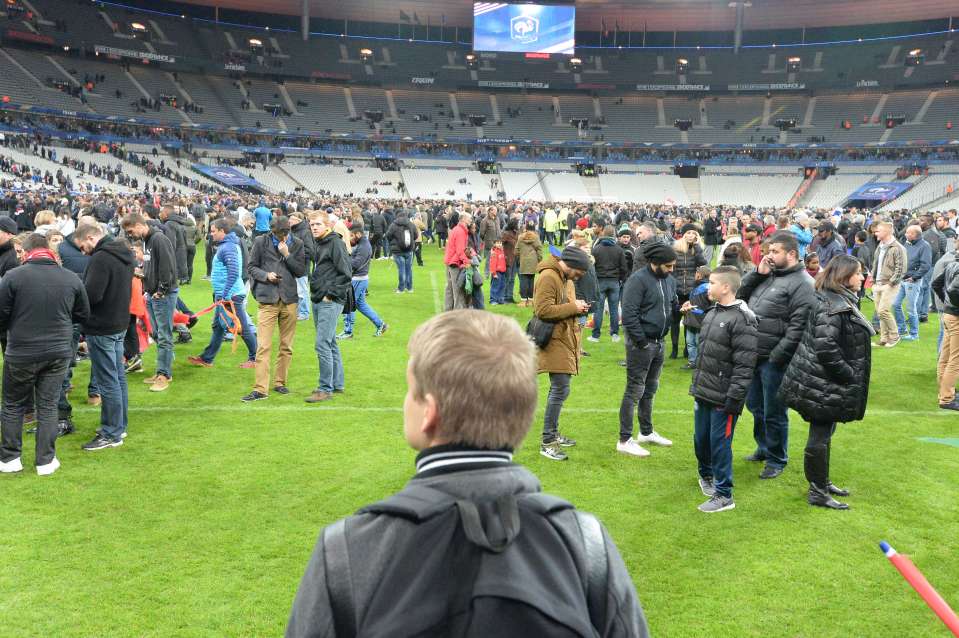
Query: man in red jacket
[455,261]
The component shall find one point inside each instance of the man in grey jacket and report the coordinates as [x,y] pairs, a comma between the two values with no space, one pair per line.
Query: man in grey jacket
[466,427]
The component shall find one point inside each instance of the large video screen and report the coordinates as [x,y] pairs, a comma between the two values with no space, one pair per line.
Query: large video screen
[524,28]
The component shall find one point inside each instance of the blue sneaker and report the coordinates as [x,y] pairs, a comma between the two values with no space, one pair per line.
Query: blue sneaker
[910,338]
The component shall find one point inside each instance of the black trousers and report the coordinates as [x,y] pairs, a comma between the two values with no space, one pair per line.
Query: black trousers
[674,326]
[816,455]
[209,257]
[526,286]
[190,258]
[131,342]
[376,243]
[21,382]
[418,251]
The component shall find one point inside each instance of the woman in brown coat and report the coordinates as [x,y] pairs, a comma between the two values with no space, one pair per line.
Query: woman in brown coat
[554,301]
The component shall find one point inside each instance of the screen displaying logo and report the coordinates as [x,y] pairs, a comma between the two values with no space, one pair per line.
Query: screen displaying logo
[882,191]
[524,28]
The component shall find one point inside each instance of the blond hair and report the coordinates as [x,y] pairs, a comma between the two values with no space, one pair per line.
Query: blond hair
[481,369]
[44,217]
[681,246]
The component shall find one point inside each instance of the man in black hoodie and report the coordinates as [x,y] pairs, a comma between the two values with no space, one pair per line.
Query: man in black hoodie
[401,236]
[39,303]
[108,282]
[378,227]
[160,282]
[330,284]
[611,270]
[174,229]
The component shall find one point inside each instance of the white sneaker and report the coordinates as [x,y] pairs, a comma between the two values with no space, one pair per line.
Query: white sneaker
[632,447]
[11,466]
[654,439]
[615,338]
[592,338]
[49,468]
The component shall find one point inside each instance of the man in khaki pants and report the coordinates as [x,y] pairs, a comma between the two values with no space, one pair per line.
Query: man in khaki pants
[888,270]
[945,285]
[276,261]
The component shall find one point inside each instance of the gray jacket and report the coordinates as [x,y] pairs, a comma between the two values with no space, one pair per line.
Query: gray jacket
[371,537]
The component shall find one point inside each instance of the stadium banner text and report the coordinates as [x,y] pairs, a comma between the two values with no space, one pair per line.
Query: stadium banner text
[672,87]
[139,55]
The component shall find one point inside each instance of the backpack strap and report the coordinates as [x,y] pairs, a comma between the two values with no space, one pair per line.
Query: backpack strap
[597,568]
[339,578]
[594,545]
[416,503]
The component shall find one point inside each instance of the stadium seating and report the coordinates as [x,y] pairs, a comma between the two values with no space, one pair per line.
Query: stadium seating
[753,190]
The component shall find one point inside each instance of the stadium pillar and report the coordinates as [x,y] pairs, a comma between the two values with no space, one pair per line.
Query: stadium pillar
[305,19]
[738,38]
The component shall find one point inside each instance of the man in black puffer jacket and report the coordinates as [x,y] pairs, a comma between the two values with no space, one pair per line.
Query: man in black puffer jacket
[780,293]
[724,370]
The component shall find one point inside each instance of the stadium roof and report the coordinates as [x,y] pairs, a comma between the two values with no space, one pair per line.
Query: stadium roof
[656,15]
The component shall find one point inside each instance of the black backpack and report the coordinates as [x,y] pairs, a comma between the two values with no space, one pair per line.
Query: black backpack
[406,237]
[500,568]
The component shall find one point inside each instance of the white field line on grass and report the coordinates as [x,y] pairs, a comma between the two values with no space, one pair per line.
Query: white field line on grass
[364,408]
[437,306]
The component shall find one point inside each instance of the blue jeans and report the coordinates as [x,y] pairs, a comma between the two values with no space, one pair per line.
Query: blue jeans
[714,446]
[692,344]
[360,286]
[477,297]
[607,289]
[161,317]
[404,267]
[925,295]
[220,331]
[908,292]
[326,314]
[511,272]
[770,415]
[106,359]
[497,288]
[303,292]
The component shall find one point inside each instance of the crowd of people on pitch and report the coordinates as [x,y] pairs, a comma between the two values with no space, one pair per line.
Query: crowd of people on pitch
[775,325]
[658,271]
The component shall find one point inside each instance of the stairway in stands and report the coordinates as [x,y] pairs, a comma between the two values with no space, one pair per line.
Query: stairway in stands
[593,187]
[692,188]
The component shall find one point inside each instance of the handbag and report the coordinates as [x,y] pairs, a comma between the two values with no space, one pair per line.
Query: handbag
[541,331]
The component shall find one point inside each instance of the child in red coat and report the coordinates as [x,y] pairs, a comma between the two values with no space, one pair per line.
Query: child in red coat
[497,271]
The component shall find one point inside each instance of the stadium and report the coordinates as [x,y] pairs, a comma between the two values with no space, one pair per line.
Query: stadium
[661,112]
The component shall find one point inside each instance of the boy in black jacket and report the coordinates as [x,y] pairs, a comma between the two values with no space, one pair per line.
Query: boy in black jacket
[724,370]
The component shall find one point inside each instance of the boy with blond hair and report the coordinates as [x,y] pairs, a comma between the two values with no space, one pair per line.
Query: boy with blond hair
[470,542]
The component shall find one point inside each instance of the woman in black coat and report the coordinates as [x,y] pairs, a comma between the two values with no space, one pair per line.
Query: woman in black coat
[828,378]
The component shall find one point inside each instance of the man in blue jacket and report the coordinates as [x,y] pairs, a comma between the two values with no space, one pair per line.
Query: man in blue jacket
[227,286]
[648,305]
[918,263]
[360,258]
